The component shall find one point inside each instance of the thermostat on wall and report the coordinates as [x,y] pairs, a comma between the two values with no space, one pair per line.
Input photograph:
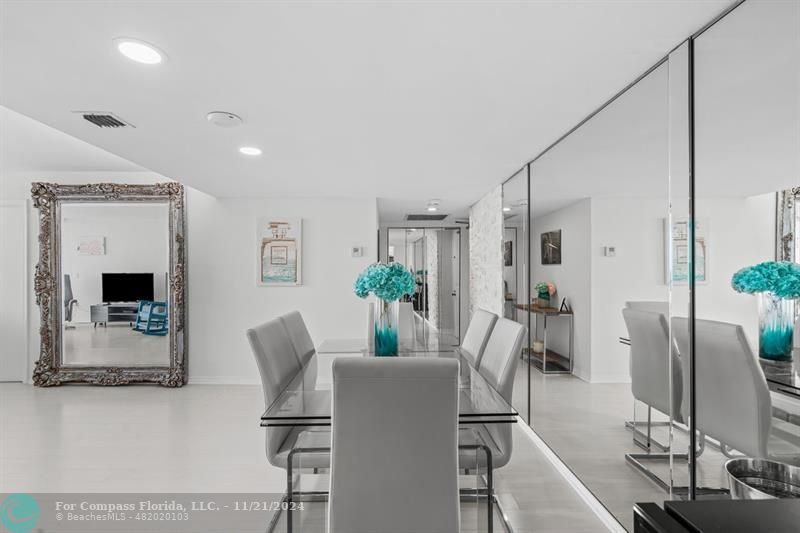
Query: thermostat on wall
[356,251]
[610,251]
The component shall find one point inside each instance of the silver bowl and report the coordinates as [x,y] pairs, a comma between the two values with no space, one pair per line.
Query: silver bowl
[762,479]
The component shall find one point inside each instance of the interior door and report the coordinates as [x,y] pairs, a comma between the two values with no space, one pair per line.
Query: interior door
[13,283]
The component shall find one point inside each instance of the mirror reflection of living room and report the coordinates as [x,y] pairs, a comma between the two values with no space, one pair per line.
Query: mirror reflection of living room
[114,260]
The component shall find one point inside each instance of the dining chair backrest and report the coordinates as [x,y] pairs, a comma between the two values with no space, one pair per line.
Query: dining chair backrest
[299,336]
[498,366]
[501,355]
[277,365]
[652,306]
[732,401]
[394,463]
[477,335]
[650,362]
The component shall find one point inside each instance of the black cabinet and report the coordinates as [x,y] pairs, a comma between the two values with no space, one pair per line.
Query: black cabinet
[718,516]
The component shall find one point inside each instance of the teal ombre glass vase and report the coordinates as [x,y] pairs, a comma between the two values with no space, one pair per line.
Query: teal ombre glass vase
[775,327]
[386,317]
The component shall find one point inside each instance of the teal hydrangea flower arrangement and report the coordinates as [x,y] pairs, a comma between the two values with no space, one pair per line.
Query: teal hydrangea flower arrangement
[781,278]
[777,284]
[389,283]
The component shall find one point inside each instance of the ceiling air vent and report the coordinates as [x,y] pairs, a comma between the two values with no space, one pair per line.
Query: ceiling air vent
[104,120]
[429,218]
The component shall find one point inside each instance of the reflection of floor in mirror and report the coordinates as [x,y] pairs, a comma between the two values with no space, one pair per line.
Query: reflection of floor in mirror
[116,344]
[206,439]
[584,424]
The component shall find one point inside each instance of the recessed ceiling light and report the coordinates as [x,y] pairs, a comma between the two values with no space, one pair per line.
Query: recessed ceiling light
[250,150]
[433,205]
[139,51]
[506,209]
[432,208]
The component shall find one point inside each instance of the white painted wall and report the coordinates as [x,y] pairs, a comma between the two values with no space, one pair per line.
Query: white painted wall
[486,253]
[572,278]
[223,297]
[137,240]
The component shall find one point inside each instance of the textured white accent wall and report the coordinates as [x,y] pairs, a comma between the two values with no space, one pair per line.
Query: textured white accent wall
[432,266]
[486,253]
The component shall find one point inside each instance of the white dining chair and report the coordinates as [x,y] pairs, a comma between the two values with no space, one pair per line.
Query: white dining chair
[657,382]
[278,364]
[654,306]
[656,374]
[298,335]
[394,458]
[732,400]
[498,367]
[477,335]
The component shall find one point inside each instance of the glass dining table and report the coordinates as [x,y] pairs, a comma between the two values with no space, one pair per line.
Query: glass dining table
[306,404]
[306,401]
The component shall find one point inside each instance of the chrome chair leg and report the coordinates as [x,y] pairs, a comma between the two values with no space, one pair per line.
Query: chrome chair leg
[490,497]
[649,440]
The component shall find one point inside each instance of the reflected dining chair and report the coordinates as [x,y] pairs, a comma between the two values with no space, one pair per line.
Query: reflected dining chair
[732,400]
[648,330]
[279,363]
[394,463]
[656,381]
[477,335]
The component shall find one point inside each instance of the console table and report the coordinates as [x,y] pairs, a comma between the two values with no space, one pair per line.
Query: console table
[549,361]
[116,312]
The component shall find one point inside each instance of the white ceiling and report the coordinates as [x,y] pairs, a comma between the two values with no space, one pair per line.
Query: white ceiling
[400,101]
[27,145]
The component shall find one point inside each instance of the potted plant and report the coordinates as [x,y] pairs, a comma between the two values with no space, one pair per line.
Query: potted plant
[544,291]
[388,282]
[777,284]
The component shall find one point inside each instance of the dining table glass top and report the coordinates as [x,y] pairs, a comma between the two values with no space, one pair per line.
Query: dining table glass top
[306,401]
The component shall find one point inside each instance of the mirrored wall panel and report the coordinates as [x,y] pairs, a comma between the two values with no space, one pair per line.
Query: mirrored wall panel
[747,170]
[604,383]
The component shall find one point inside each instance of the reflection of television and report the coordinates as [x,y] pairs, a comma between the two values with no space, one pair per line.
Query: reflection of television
[127,287]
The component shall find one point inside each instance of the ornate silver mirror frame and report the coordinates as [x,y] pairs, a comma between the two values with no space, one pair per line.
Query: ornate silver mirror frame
[49,370]
[787,225]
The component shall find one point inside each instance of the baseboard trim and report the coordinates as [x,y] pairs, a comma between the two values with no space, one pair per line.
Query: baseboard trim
[577,485]
[223,380]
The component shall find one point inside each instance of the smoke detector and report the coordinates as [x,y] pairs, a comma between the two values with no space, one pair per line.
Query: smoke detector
[224,119]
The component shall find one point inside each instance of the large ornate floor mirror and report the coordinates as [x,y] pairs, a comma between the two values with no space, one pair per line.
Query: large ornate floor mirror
[110,284]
